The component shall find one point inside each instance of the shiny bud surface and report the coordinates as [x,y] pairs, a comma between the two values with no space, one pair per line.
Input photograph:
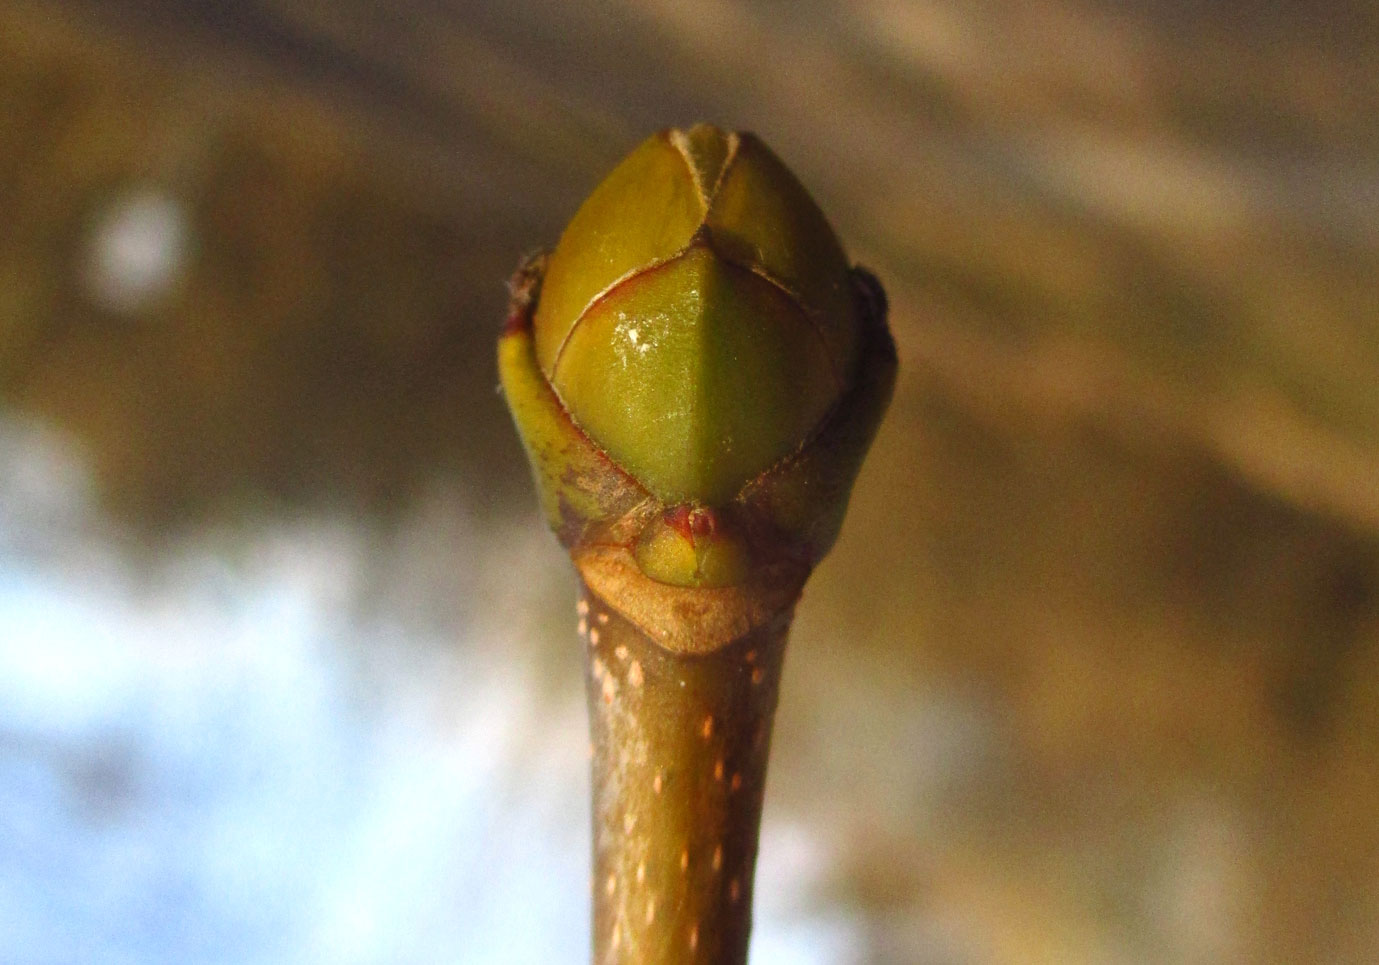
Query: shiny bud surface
[697,318]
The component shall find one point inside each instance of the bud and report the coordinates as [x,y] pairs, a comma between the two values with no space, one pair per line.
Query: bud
[696,374]
[702,371]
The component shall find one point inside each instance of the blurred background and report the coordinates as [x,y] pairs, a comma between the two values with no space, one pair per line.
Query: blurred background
[288,670]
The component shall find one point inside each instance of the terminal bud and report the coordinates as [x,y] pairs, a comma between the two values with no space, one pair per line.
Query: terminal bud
[696,369]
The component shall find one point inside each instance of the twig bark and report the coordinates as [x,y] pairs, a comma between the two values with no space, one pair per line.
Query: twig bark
[680,745]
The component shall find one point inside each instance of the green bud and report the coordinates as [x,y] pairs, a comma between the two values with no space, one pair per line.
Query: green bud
[699,352]
[691,546]
[696,318]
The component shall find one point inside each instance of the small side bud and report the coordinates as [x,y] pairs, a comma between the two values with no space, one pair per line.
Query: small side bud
[693,546]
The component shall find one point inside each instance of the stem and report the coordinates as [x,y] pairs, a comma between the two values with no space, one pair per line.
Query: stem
[680,745]
[690,572]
